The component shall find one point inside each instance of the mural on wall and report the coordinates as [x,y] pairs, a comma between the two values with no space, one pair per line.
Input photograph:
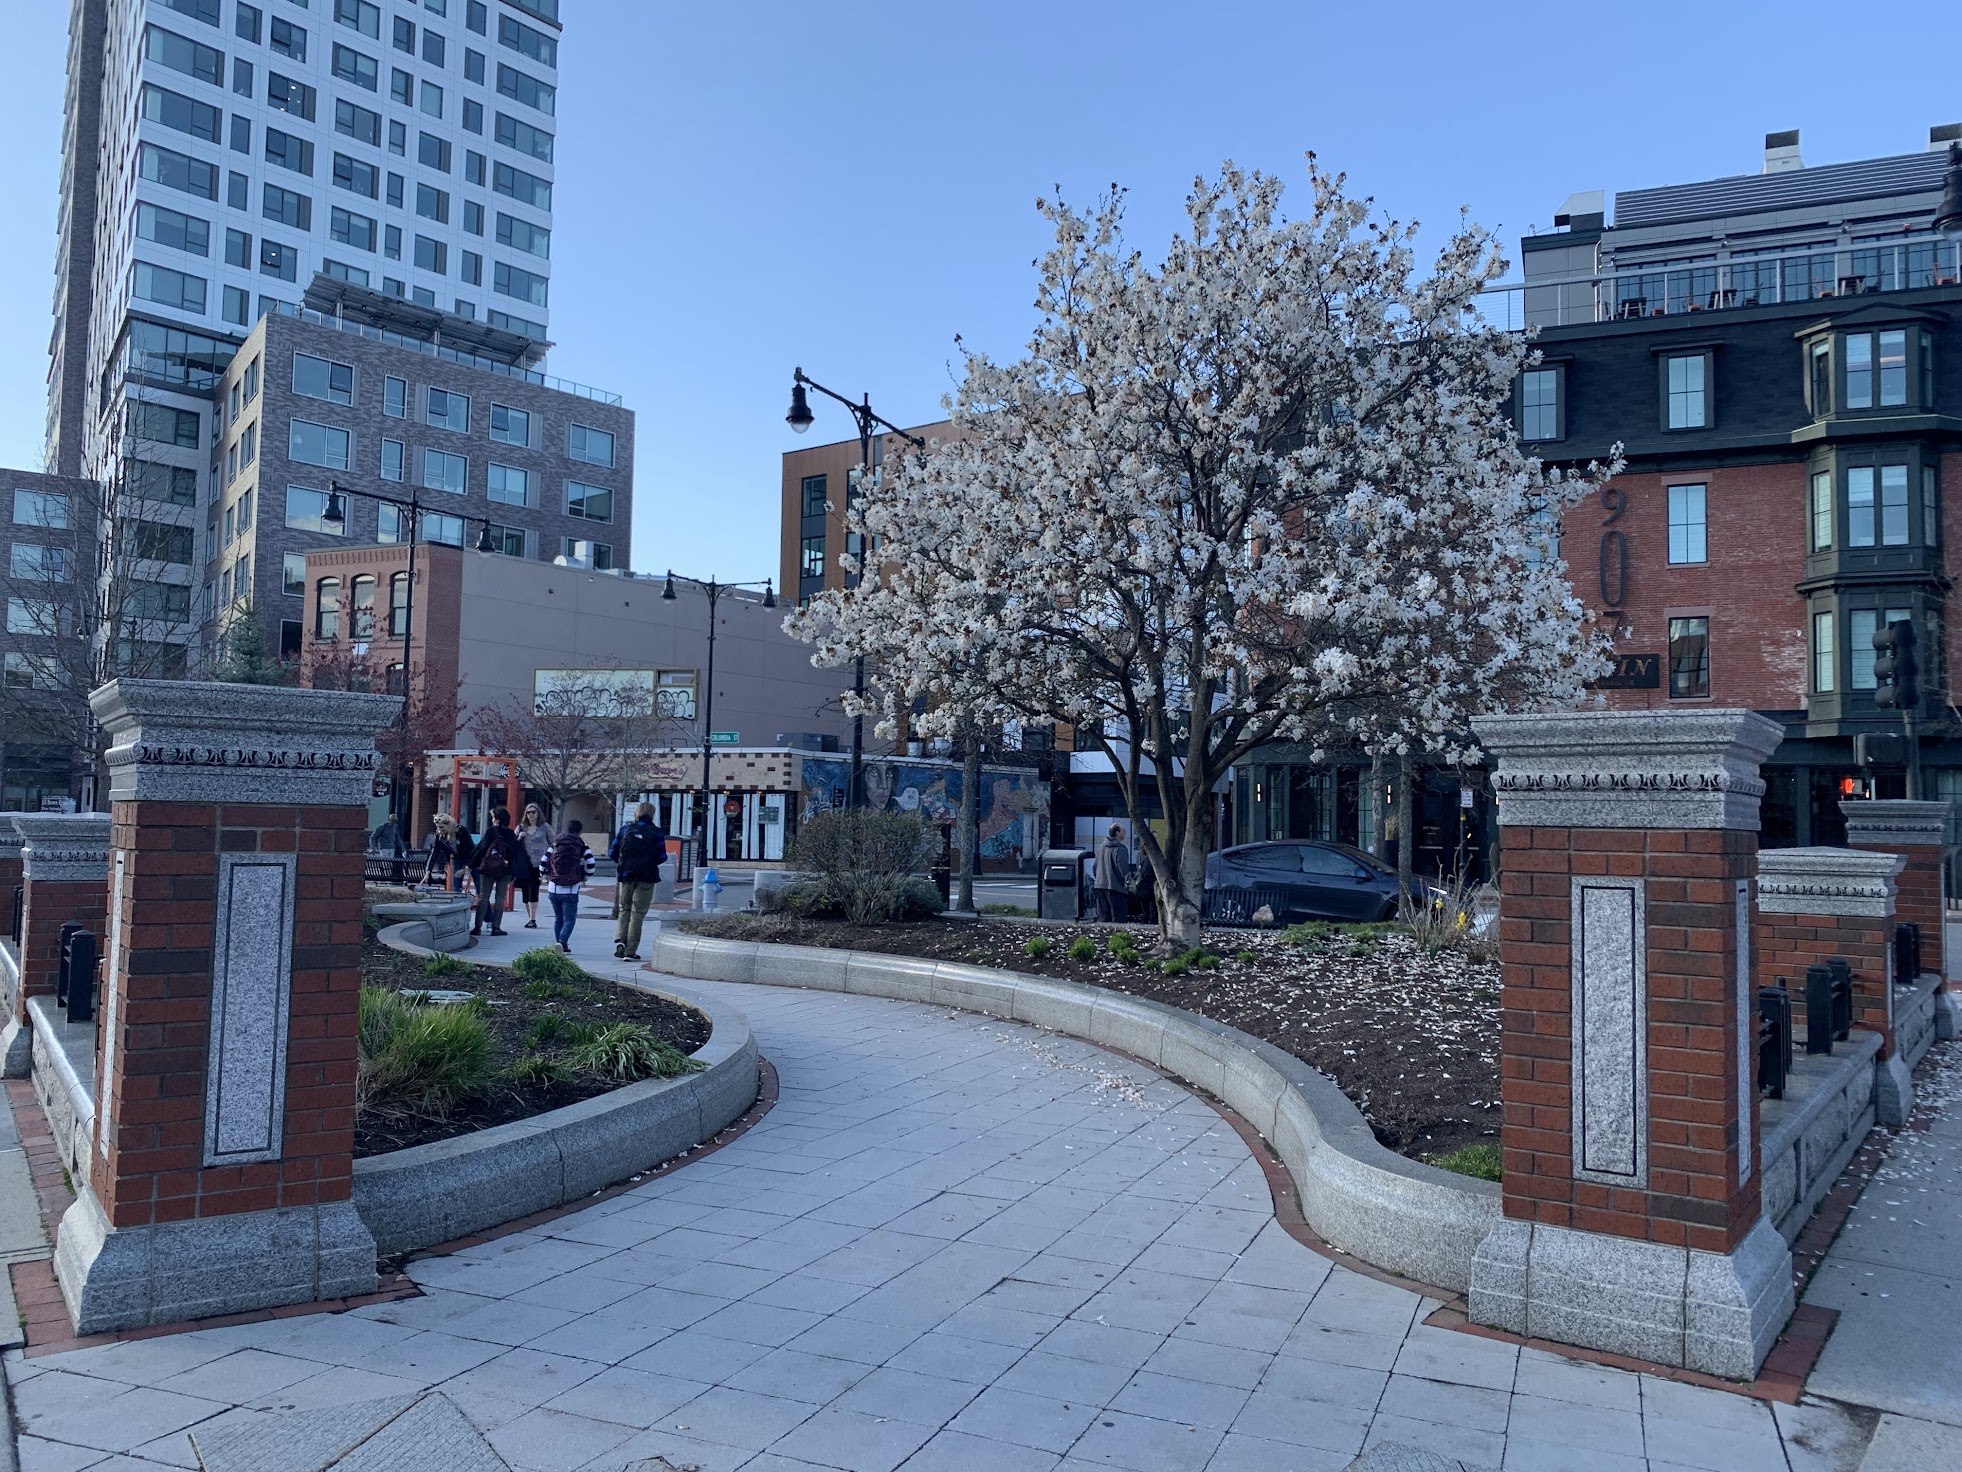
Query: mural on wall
[1011,818]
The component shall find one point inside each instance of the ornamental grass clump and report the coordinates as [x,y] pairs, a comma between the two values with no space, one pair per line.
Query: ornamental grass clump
[543,963]
[628,1052]
[420,1058]
[435,966]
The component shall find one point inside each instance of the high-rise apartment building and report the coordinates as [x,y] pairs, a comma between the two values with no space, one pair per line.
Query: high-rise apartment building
[223,159]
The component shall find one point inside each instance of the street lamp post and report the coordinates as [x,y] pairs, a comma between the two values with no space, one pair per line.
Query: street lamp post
[714,590]
[799,419]
[335,514]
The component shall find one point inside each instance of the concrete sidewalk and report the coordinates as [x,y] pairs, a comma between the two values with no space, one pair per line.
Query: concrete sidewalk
[955,1243]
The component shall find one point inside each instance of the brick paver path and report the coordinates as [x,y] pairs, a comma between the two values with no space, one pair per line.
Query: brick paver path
[955,1243]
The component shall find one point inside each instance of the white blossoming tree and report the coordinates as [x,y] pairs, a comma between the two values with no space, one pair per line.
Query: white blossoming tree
[1269,490]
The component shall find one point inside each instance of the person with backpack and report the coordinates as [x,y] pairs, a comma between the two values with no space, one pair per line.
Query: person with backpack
[639,852]
[500,859]
[567,867]
[463,858]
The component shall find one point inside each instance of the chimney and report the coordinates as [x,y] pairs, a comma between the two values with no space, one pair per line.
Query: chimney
[1943,134]
[1781,152]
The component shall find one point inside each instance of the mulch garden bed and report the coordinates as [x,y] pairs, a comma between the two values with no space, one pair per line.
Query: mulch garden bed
[1412,1039]
[509,1013]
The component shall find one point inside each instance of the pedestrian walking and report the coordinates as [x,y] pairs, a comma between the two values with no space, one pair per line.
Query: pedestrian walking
[567,867]
[441,854]
[1108,879]
[500,859]
[537,836]
[638,853]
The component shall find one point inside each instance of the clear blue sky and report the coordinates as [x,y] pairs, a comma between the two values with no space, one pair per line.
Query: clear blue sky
[745,187]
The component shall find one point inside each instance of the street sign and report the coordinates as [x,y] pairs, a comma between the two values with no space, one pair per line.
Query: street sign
[725,738]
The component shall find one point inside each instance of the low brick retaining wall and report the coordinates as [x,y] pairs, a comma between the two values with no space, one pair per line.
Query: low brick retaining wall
[1407,1217]
[451,1188]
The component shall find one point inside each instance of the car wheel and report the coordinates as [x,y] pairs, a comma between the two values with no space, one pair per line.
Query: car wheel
[1389,911]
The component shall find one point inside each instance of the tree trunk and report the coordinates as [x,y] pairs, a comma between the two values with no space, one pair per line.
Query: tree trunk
[1379,826]
[1406,829]
[970,806]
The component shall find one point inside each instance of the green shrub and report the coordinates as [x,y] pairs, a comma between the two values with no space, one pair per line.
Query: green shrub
[628,1051]
[1313,933]
[550,991]
[1083,949]
[1021,910]
[1036,947]
[434,966]
[862,866]
[1247,958]
[537,1069]
[545,963]
[1200,959]
[551,1028]
[1483,1161]
[1175,967]
[381,1016]
[429,1058]
[1120,940]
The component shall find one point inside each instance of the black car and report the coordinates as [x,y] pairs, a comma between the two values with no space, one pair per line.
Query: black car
[1312,880]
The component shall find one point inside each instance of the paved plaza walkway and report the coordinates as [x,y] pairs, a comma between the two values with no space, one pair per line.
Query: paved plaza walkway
[955,1243]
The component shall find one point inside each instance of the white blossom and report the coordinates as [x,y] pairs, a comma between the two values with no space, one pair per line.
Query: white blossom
[1269,490]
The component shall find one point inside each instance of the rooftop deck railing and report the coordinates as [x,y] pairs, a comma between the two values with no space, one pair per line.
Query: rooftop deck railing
[1678,288]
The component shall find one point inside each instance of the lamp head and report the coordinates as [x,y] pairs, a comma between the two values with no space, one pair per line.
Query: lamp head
[1948,218]
[769,594]
[484,542]
[336,512]
[799,417]
[667,592]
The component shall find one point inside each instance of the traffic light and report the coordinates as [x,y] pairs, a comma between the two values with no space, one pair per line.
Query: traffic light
[1894,668]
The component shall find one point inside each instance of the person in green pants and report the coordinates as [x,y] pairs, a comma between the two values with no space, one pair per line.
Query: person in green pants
[637,854]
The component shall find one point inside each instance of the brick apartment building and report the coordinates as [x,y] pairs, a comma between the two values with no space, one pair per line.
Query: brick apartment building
[812,537]
[400,400]
[1780,357]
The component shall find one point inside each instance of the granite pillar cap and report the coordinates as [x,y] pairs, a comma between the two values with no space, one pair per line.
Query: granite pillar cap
[1629,769]
[1827,881]
[200,741]
[1896,822]
[63,845]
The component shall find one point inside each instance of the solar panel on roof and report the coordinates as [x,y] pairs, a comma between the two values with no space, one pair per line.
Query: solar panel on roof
[1747,194]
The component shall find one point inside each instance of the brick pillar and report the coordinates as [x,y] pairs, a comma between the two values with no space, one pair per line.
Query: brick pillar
[1818,903]
[1918,832]
[1632,1220]
[64,871]
[223,1156]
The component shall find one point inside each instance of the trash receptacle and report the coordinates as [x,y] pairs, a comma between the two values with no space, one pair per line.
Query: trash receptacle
[1060,886]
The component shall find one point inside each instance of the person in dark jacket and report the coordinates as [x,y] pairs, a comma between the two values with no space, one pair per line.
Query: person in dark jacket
[498,861]
[639,852]
[567,867]
[1108,881]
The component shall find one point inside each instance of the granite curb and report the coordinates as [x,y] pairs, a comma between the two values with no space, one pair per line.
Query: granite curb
[1412,1219]
[429,1194]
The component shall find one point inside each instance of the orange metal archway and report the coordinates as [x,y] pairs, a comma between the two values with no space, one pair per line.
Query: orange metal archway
[485,771]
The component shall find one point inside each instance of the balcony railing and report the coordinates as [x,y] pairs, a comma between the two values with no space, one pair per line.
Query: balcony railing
[448,354]
[1670,289]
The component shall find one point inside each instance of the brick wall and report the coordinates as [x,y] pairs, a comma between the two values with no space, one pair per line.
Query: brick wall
[1691,1198]
[52,903]
[152,1170]
[1783,946]
[1755,529]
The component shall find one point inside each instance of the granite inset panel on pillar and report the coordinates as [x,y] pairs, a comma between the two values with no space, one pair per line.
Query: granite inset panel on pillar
[251,988]
[105,1084]
[1610,1037]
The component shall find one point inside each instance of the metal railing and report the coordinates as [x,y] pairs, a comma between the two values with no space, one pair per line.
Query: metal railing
[1828,1005]
[1670,289]
[448,354]
[1907,953]
[1245,905]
